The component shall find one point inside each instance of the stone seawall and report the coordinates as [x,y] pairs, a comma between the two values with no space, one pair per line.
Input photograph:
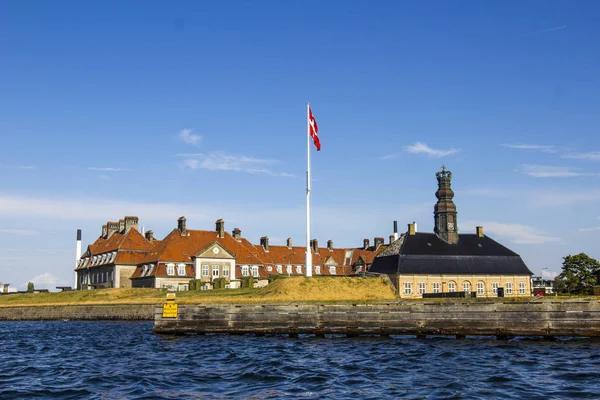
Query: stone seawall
[546,317]
[90,312]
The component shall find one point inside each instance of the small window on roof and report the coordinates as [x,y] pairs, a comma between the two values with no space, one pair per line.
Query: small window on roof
[428,244]
[144,270]
[479,245]
[150,269]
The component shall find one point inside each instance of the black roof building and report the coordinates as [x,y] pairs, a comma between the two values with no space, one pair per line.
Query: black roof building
[446,252]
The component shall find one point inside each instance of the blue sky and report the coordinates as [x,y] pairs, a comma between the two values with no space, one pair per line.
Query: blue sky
[198,109]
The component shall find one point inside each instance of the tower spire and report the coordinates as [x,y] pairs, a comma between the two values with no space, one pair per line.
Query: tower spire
[444,212]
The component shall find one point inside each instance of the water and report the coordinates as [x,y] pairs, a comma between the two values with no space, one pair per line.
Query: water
[125,360]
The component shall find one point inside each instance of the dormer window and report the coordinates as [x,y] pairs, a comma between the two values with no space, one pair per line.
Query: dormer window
[170,269]
[245,270]
[255,271]
[318,270]
[181,269]
[332,270]
[299,269]
[280,269]
[144,270]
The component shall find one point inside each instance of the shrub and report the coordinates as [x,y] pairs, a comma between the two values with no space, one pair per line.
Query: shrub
[219,283]
[247,282]
[30,287]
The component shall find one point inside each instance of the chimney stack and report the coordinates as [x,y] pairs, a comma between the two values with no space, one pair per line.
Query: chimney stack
[415,224]
[111,227]
[149,235]
[181,226]
[131,223]
[392,239]
[314,244]
[330,244]
[121,226]
[104,231]
[237,234]
[264,242]
[78,254]
[220,228]
[289,243]
[378,241]
[395,230]
[411,229]
[479,231]
[365,244]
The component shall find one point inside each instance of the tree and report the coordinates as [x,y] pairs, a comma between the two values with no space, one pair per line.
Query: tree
[559,285]
[579,273]
[30,287]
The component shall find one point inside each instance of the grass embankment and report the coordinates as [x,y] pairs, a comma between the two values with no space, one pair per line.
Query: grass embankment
[322,289]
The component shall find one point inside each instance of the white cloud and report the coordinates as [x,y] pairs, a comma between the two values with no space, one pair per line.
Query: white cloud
[220,161]
[548,171]
[388,157]
[420,147]
[544,148]
[549,274]
[515,233]
[188,137]
[593,229]
[24,232]
[43,281]
[107,169]
[594,155]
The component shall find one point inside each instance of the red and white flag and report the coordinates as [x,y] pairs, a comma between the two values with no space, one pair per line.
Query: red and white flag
[313,129]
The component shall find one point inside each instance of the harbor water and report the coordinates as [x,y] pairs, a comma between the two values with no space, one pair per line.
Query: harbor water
[125,360]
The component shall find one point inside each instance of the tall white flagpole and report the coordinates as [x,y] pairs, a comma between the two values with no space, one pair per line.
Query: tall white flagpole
[308,250]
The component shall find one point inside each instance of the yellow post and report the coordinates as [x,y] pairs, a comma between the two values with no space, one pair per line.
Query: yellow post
[170,307]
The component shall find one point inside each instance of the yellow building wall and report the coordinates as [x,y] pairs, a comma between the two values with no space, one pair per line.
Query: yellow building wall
[406,282]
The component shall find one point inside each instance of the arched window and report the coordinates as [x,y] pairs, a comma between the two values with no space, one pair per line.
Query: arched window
[288,269]
[299,269]
[255,271]
[170,269]
[451,286]
[480,288]
[495,288]
[181,269]
[280,269]
[466,286]
[245,270]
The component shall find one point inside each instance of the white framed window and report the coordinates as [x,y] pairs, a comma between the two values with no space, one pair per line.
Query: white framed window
[181,269]
[288,269]
[299,269]
[151,269]
[421,287]
[279,269]
[170,269]
[226,270]
[144,270]
[332,271]
[451,287]
[521,287]
[269,268]
[205,270]
[245,270]
[436,287]
[255,271]
[495,288]
[508,287]
[318,270]
[480,288]
[466,286]
[407,287]
[215,271]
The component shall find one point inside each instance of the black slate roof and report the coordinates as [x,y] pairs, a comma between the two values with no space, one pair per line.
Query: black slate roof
[425,253]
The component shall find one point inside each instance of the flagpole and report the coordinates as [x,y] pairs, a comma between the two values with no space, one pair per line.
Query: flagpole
[308,251]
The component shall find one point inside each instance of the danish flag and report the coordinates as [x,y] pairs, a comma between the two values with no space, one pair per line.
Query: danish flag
[313,129]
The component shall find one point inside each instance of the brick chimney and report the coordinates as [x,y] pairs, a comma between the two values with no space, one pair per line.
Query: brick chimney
[264,242]
[104,231]
[220,228]
[365,244]
[149,235]
[392,238]
[314,244]
[479,230]
[181,226]
[131,223]
[330,244]
[237,234]
[378,241]
[111,227]
[121,226]
[289,243]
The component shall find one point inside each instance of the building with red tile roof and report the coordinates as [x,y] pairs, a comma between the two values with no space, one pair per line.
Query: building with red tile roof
[122,257]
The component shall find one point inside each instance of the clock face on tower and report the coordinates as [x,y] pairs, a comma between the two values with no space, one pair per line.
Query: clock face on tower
[450,226]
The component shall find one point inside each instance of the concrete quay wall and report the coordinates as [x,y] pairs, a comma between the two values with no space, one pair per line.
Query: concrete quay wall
[89,312]
[421,318]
